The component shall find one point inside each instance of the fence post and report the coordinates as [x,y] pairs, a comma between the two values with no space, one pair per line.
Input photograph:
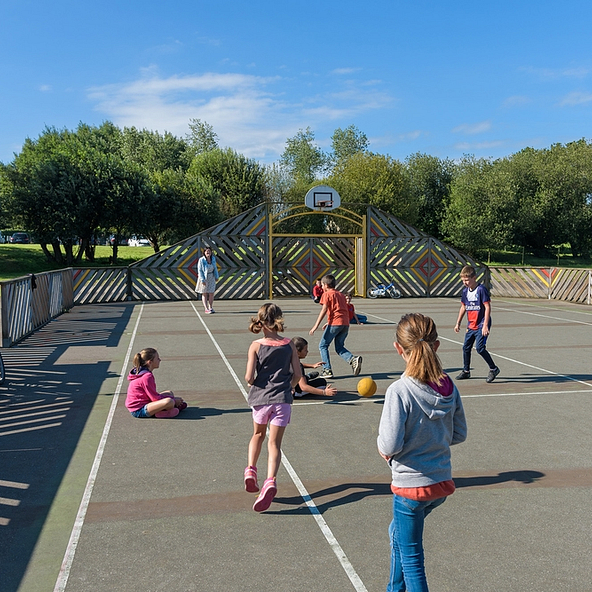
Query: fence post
[129,283]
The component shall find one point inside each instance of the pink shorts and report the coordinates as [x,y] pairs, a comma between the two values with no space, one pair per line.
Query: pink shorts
[277,415]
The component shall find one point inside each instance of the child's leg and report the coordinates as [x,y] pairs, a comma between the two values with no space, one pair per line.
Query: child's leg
[256,443]
[155,407]
[204,300]
[274,445]
[480,346]
[211,300]
[340,344]
[467,347]
[324,343]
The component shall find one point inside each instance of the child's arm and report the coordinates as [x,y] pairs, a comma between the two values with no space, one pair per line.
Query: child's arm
[461,314]
[296,372]
[485,328]
[316,365]
[321,315]
[251,363]
[328,391]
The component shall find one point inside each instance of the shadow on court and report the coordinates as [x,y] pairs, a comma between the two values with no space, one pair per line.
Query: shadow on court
[44,406]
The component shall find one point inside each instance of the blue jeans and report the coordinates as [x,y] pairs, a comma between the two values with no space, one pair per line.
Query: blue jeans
[337,333]
[406,536]
[476,336]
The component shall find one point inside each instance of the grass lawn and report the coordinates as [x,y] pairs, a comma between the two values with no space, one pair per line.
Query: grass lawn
[19,260]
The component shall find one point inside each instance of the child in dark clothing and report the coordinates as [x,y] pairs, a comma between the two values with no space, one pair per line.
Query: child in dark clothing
[310,383]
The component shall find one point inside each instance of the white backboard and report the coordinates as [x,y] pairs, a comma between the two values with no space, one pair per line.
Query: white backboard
[322,198]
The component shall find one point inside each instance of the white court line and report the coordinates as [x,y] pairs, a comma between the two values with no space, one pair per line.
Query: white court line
[79,522]
[322,524]
[524,364]
[512,359]
[534,314]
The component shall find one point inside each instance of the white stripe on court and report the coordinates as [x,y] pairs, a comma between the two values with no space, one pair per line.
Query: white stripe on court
[534,314]
[525,364]
[79,522]
[322,524]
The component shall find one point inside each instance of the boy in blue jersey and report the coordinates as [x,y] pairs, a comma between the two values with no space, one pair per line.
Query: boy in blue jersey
[475,301]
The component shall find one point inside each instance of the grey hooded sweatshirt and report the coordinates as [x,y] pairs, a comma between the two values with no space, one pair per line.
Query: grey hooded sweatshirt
[417,427]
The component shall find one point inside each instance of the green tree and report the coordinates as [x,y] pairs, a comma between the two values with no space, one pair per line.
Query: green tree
[483,210]
[303,159]
[235,182]
[347,142]
[375,179]
[429,181]
[202,137]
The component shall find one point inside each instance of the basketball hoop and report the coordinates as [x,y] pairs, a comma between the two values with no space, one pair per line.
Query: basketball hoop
[322,198]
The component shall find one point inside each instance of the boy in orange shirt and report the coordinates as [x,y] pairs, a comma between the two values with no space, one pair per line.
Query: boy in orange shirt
[337,327]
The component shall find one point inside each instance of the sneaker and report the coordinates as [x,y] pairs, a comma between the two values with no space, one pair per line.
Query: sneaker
[208,311]
[212,311]
[463,375]
[327,373]
[356,364]
[492,374]
[268,492]
[312,375]
[251,480]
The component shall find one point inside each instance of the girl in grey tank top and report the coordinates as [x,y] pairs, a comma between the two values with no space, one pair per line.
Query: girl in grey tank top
[273,369]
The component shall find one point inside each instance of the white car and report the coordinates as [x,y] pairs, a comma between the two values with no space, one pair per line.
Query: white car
[138,241]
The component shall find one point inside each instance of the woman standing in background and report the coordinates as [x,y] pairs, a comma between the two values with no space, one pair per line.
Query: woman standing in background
[207,271]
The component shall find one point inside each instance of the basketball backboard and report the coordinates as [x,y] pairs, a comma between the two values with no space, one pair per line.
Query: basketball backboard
[322,198]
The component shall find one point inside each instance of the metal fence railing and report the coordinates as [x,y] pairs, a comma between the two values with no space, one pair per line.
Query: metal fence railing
[27,303]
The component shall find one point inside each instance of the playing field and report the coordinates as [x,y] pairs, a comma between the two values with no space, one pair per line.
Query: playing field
[164,507]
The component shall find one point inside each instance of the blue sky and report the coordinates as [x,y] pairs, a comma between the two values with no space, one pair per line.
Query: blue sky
[441,78]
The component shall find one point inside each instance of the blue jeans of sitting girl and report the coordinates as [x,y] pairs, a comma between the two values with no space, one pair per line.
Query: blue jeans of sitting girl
[406,537]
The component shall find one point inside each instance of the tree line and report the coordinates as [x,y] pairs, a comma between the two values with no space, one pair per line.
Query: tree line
[69,186]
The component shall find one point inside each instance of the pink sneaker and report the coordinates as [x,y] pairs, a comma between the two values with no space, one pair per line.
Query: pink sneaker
[268,492]
[167,413]
[251,480]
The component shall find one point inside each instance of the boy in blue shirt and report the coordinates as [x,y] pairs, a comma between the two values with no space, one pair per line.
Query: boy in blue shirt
[475,301]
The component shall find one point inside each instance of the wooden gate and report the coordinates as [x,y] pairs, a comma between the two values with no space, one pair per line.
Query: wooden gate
[257,262]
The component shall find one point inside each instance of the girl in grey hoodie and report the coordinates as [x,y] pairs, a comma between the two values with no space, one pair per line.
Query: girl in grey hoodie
[422,417]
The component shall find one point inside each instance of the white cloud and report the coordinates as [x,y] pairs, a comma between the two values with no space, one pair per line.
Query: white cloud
[248,113]
[340,71]
[516,101]
[576,98]
[45,88]
[467,146]
[556,73]
[472,128]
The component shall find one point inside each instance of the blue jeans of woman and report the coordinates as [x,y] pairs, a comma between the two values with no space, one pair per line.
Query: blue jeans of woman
[337,333]
[406,536]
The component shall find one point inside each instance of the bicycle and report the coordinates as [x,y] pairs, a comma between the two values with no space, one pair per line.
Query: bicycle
[382,291]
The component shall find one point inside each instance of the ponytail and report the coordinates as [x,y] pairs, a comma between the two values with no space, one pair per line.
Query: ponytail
[417,336]
[142,358]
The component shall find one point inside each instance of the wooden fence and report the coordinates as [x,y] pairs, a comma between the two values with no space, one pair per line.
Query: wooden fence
[554,283]
[29,302]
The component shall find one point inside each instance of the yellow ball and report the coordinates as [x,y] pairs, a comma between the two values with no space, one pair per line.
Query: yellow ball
[366,387]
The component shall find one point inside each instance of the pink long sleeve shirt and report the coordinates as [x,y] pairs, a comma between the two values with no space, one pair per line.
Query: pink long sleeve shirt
[141,389]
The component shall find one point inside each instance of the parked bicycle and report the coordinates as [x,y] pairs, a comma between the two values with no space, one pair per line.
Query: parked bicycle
[384,291]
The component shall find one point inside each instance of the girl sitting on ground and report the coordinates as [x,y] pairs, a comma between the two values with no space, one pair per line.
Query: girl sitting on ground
[143,400]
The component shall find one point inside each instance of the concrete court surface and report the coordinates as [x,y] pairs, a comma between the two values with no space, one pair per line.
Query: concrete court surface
[165,507]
